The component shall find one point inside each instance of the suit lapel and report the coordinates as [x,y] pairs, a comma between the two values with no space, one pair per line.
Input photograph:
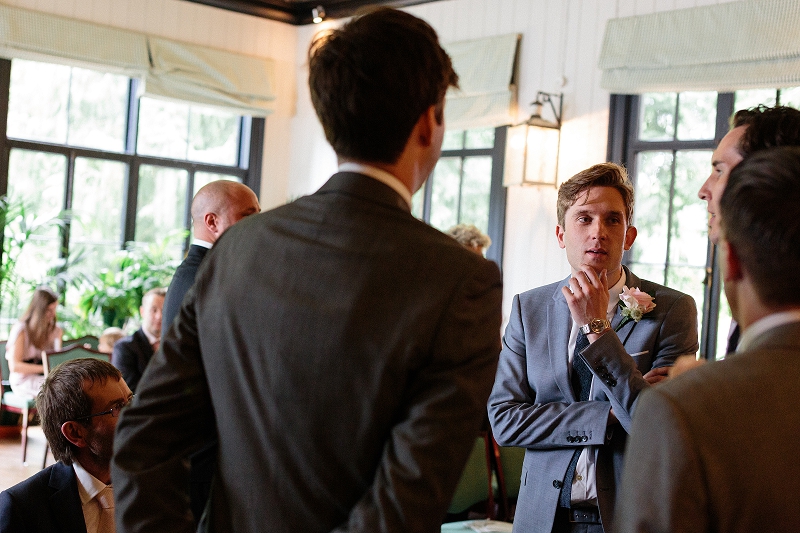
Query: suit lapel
[559,326]
[65,500]
[631,280]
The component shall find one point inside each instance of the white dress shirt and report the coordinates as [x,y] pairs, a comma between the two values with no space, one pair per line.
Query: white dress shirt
[584,484]
[88,487]
[380,175]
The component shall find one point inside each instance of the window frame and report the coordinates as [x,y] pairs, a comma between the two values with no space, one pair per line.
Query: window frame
[497,192]
[247,168]
[624,146]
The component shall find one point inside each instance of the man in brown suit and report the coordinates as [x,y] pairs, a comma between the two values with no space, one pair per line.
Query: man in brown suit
[716,448]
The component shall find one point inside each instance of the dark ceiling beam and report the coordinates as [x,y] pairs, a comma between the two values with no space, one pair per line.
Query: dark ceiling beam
[299,12]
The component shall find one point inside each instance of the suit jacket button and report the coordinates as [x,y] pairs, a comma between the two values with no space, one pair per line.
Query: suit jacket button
[557,484]
[570,439]
[612,382]
[585,438]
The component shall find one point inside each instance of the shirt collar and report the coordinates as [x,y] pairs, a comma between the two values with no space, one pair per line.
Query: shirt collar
[380,175]
[200,242]
[152,339]
[761,326]
[614,292]
[88,485]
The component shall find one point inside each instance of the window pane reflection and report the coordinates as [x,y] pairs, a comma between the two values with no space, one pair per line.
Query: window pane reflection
[753,97]
[653,179]
[163,129]
[475,192]
[444,195]
[161,205]
[97,212]
[479,138]
[657,116]
[98,110]
[38,101]
[697,115]
[689,215]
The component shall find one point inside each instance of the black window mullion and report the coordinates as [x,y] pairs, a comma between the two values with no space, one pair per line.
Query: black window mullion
[67,205]
[670,214]
[132,120]
[5,149]
[497,198]
[129,202]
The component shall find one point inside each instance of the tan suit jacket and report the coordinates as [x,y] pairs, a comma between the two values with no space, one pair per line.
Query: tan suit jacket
[718,449]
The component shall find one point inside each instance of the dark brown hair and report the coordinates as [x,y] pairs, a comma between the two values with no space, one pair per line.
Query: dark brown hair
[372,80]
[602,175]
[63,398]
[767,127]
[36,327]
[759,220]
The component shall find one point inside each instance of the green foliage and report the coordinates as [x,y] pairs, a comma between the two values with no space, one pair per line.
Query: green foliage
[19,225]
[115,294]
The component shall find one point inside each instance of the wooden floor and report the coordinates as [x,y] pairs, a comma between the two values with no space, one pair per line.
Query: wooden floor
[12,471]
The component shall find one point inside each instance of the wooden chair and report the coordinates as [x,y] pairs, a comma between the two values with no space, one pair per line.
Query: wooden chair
[74,351]
[15,403]
[87,341]
[508,469]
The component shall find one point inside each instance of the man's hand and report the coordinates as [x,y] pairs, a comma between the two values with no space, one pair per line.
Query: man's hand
[587,297]
[683,364]
[657,375]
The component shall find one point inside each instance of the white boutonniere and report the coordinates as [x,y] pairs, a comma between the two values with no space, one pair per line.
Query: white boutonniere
[634,305]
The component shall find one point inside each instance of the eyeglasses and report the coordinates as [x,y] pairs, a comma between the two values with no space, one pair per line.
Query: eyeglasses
[114,411]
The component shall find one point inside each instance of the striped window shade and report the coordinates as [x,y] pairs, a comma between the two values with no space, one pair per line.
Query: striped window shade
[170,69]
[724,47]
[487,77]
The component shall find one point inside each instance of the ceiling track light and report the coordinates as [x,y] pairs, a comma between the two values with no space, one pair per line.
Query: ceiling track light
[318,14]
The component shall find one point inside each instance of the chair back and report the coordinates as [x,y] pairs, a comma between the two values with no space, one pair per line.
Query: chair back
[475,485]
[54,359]
[6,386]
[512,458]
[90,340]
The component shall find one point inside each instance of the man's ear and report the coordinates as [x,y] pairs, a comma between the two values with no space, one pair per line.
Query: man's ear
[211,221]
[731,265]
[425,127]
[75,432]
[630,236]
[560,236]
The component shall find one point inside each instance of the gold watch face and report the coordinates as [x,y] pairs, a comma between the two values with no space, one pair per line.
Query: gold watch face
[597,325]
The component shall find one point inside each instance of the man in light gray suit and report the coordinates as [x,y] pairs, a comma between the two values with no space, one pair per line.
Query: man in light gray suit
[717,448]
[341,350]
[573,412]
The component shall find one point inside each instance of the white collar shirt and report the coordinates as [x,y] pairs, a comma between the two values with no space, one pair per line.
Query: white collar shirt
[201,242]
[380,175]
[761,326]
[88,487]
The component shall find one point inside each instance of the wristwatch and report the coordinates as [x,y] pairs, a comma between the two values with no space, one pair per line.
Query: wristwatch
[596,325]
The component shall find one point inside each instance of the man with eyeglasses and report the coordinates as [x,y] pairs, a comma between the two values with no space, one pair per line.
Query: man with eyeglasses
[79,405]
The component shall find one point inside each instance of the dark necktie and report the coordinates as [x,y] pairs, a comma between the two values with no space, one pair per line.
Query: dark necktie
[581,385]
[733,340]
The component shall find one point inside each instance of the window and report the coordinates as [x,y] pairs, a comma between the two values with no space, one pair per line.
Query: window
[666,141]
[85,149]
[466,186]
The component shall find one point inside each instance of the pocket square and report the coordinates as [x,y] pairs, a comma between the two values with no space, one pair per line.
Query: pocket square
[639,353]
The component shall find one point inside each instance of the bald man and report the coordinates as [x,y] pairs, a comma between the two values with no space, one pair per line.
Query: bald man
[216,207]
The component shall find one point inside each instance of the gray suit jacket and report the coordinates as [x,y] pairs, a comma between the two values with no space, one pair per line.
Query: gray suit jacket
[717,448]
[532,404]
[342,351]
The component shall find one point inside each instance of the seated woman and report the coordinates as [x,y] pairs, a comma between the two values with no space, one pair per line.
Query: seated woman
[35,333]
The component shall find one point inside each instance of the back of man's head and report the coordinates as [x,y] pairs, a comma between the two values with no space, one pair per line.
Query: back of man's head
[767,127]
[63,398]
[372,79]
[219,205]
[760,222]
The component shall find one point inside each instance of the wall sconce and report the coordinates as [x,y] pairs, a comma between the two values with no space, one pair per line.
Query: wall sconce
[532,147]
[318,14]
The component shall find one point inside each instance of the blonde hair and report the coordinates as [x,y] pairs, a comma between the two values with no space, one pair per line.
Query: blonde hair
[469,236]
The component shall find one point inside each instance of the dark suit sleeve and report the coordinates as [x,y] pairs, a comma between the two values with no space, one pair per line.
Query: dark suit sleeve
[445,405]
[10,520]
[126,358]
[663,487]
[520,417]
[617,372]
[152,443]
